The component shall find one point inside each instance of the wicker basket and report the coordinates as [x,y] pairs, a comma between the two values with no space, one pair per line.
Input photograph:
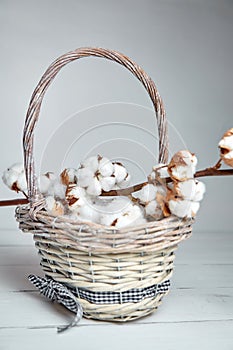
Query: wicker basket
[90,258]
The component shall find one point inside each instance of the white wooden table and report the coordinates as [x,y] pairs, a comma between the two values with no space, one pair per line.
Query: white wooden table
[197,314]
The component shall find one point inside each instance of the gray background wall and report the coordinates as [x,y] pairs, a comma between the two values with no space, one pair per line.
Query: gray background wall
[186,46]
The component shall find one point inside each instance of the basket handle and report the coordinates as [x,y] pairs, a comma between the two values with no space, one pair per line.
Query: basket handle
[39,92]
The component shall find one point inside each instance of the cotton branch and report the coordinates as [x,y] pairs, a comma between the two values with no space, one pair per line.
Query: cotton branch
[214,171]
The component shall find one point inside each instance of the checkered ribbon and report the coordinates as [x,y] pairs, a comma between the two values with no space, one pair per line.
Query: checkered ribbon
[129,296]
[68,295]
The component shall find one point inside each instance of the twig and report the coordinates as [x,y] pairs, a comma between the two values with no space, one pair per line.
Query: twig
[17,201]
[127,191]
[201,173]
[213,172]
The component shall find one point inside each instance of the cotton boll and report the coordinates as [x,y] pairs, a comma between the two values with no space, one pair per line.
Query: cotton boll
[191,189]
[131,217]
[185,189]
[58,189]
[22,183]
[179,208]
[125,182]
[181,173]
[91,163]
[14,177]
[119,172]
[199,191]
[152,209]
[105,167]
[18,167]
[10,178]
[115,205]
[226,147]
[108,219]
[183,208]
[54,207]
[182,166]
[94,188]
[46,182]
[75,197]
[128,215]
[111,209]
[228,159]
[68,176]
[147,193]
[107,183]
[88,212]
[84,177]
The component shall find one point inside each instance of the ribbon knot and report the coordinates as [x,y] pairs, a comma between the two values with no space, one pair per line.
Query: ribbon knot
[56,291]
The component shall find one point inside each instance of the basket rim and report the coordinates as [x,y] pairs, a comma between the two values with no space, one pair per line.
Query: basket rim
[91,237]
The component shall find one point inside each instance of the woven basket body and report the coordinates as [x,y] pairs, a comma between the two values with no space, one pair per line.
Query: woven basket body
[97,261]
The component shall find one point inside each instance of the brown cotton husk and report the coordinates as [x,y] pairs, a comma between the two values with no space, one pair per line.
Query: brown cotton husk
[15,187]
[58,209]
[71,199]
[178,159]
[228,133]
[226,147]
[163,203]
[64,177]
[227,161]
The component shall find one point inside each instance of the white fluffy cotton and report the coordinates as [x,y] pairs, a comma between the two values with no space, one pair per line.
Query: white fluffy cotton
[46,183]
[147,197]
[119,171]
[182,166]
[14,177]
[68,176]
[98,174]
[226,147]
[120,212]
[147,193]
[153,209]
[75,197]
[88,212]
[53,206]
[95,175]
[191,189]
[184,208]
[105,167]
[94,188]
[227,142]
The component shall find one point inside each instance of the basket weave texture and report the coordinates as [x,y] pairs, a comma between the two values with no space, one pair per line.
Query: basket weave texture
[90,256]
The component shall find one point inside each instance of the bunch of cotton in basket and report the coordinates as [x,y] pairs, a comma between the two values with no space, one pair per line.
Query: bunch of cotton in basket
[97,174]
[120,212]
[14,178]
[226,147]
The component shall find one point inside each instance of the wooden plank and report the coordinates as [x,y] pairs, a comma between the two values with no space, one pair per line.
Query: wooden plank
[202,335]
[29,309]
